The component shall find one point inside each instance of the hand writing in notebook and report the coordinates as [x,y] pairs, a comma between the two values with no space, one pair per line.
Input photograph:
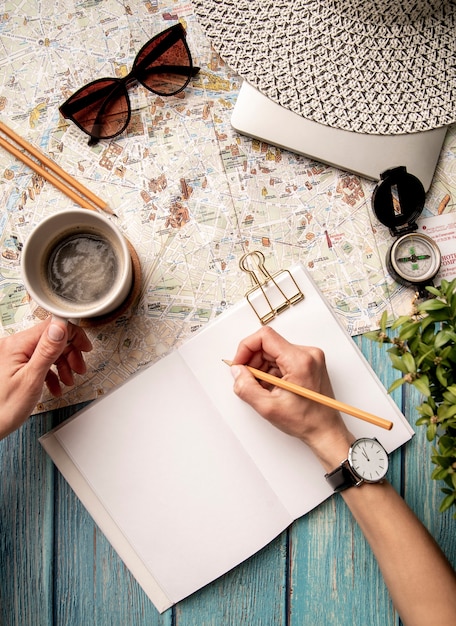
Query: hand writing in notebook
[405,551]
[311,422]
[26,365]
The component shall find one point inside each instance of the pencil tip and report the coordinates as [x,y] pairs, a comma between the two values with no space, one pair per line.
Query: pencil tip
[107,209]
[227,362]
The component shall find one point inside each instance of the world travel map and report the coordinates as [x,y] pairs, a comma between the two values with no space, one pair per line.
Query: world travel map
[190,194]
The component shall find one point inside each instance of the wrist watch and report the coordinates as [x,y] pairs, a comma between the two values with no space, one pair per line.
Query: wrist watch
[367,462]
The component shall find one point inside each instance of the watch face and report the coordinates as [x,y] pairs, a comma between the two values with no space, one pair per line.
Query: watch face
[369,460]
[414,258]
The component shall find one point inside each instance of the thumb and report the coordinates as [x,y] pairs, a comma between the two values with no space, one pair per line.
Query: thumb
[50,346]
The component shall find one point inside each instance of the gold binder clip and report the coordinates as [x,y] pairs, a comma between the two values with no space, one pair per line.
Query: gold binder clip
[270,294]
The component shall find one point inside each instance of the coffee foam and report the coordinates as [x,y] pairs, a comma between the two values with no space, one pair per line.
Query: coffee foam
[79,269]
[82,268]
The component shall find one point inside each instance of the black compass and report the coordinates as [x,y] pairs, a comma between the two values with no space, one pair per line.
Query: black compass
[398,200]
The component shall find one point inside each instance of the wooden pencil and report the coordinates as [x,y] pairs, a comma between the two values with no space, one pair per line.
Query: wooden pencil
[45,174]
[71,183]
[318,397]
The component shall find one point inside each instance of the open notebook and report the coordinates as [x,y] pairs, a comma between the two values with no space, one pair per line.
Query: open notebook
[186,480]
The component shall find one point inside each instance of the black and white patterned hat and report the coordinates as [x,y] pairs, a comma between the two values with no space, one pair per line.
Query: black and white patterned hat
[371,66]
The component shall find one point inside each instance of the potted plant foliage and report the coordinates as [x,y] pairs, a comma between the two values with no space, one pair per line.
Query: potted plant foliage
[424,351]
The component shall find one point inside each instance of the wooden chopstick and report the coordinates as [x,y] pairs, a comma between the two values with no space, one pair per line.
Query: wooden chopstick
[318,397]
[71,183]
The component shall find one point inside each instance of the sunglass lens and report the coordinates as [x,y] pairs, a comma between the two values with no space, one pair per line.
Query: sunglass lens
[164,65]
[101,109]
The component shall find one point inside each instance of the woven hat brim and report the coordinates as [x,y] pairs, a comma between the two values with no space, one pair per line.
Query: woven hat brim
[341,69]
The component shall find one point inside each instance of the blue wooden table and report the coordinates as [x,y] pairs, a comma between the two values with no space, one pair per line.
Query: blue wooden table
[58,569]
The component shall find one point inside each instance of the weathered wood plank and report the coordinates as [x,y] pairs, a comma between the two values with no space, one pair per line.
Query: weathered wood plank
[26,527]
[334,576]
[421,493]
[252,594]
[92,585]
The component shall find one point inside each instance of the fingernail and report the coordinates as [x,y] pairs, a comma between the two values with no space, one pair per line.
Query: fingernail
[56,332]
[235,371]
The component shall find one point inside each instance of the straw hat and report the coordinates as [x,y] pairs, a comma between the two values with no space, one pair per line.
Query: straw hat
[371,66]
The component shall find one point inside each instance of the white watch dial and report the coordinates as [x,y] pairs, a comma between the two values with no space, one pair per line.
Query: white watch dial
[369,459]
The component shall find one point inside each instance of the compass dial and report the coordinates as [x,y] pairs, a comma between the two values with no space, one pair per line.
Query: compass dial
[414,258]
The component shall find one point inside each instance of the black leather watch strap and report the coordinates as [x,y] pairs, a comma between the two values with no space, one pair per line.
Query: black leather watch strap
[342,478]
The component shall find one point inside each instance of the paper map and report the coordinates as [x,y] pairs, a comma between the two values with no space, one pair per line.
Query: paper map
[190,193]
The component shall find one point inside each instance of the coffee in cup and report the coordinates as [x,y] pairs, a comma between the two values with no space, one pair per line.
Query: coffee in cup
[77,264]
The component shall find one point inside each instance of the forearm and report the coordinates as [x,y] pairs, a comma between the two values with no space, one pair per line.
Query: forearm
[420,580]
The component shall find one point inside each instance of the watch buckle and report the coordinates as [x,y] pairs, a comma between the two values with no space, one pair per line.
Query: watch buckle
[358,480]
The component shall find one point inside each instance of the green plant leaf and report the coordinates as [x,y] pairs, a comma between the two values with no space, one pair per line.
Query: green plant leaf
[447,411]
[374,335]
[384,321]
[452,334]
[434,291]
[400,321]
[448,397]
[397,383]
[431,432]
[443,337]
[422,384]
[443,461]
[452,302]
[395,350]
[441,375]
[425,409]
[427,321]
[409,330]
[445,353]
[446,503]
[449,288]
[428,355]
[439,474]
[441,315]
[447,444]
[428,333]
[398,363]
[432,305]
[409,362]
